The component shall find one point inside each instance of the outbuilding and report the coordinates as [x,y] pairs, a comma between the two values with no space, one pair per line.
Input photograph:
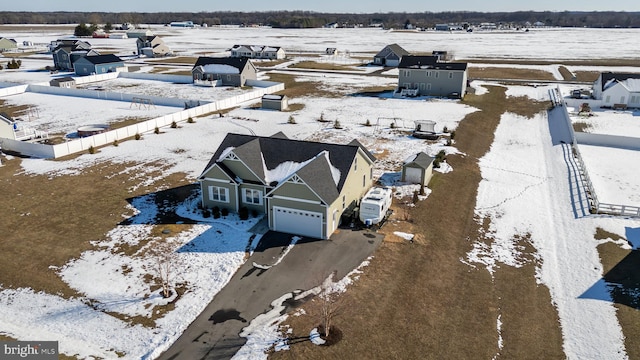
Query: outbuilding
[275,102]
[63,82]
[418,169]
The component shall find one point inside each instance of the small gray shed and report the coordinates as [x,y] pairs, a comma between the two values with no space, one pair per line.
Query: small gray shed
[275,102]
[64,82]
[418,169]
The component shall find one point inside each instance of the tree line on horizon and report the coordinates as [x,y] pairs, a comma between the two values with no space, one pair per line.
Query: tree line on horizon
[308,19]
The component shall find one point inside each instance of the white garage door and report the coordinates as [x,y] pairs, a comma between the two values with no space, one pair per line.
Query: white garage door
[297,222]
[413,175]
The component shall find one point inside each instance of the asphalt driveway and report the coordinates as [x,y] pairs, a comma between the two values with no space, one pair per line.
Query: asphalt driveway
[215,332]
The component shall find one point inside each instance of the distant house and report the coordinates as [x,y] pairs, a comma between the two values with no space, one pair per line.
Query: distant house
[183,24]
[152,46]
[390,55]
[258,52]
[426,76]
[229,71]
[443,56]
[418,169]
[63,82]
[66,52]
[443,27]
[303,187]
[331,51]
[98,64]
[618,89]
[136,33]
[275,102]
[7,44]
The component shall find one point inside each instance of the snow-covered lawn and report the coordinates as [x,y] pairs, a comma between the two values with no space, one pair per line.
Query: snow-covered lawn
[64,114]
[614,173]
[208,254]
[610,122]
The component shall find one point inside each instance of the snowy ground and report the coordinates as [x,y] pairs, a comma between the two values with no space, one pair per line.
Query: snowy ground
[523,171]
[64,114]
[524,189]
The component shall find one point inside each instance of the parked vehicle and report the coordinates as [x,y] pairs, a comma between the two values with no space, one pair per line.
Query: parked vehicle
[374,205]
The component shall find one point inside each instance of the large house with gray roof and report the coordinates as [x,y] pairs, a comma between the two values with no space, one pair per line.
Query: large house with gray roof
[303,187]
[390,55]
[258,52]
[427,76]
[98,64]
[227,71]
[618,89]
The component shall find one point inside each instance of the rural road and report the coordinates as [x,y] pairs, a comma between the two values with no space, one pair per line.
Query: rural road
[214,334]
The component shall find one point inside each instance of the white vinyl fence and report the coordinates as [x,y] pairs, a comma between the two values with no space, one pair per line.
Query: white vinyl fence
[598,207]
[108,137]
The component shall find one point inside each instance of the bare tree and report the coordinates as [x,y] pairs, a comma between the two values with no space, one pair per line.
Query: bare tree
[332,302]
[165,263]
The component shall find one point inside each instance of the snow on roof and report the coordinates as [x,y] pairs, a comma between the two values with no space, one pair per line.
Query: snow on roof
[220,69]
[631,84]
[272,97]
[410,158]
[609,84]
[224,153]
[284,170]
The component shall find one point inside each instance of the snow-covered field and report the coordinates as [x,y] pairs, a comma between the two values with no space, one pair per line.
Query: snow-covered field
[524,187]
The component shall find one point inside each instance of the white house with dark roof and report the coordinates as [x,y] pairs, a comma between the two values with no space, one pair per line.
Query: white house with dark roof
[303,187]
[618,89]
[258,52]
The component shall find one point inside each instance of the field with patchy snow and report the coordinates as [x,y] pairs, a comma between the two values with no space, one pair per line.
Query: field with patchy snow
[524,187]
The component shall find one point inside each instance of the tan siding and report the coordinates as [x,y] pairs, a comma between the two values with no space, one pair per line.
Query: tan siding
[238,168]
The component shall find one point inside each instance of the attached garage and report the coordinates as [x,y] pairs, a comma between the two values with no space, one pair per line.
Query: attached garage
[294,221]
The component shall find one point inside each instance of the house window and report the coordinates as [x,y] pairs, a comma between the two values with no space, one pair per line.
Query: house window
[406,73]
[220,194]
[371,174]
[252,196]
[437,73]
[621,99]
[364,180]
[429,86]
[450,75]
[344,201]
[355,166]
[608,99]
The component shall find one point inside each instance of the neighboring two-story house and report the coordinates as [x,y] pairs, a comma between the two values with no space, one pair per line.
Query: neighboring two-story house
[67,52]
[427,76]
[303,187]
[228,71]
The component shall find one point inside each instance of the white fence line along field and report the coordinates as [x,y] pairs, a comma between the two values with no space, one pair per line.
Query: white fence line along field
[597,140]
[108,137]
